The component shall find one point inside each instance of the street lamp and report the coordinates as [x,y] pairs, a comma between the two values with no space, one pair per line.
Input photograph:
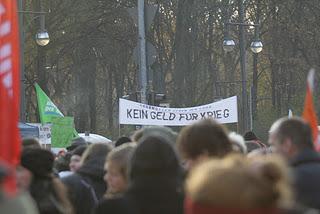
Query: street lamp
[228,45]
[256,47]
[42,39]
[42,36]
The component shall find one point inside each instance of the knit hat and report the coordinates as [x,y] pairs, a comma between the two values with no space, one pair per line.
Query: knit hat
[38,161]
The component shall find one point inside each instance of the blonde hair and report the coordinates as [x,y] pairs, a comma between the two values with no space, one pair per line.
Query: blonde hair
[240,182]
[95,150]
[120,156]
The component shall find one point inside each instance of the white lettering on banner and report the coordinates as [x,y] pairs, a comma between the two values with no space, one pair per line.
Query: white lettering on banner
[5,65]
[5,28]
[5,51]
[224,111]
[5,55]
[2,10]
[7,80]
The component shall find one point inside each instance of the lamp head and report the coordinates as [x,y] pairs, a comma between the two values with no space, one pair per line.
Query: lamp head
[228,45]
[256,46]
[42,38]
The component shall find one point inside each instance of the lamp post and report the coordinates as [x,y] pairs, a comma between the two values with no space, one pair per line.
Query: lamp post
[42,36]
[42,39]
[142,51]
[256,47]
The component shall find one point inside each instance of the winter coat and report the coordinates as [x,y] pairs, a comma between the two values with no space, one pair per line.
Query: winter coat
[153,195]
[118,205]
[306,169]
[86,187]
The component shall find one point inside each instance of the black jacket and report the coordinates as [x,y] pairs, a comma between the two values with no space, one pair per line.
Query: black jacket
[86,187]
[306,169]
[154,196]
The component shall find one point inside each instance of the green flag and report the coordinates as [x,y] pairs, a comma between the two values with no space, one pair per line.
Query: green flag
[62,131]
[47,109]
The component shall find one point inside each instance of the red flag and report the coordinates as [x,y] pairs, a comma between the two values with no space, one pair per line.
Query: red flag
[309,113]
[9,89]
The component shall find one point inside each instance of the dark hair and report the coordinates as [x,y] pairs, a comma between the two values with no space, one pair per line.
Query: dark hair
[30,143]
[204,136]
[155,179]
[297,130]
[250,135]
[48,192]
[38,161]
[79,150]
[154,156]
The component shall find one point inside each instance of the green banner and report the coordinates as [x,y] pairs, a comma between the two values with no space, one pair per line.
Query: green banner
[62,131]
[47,109]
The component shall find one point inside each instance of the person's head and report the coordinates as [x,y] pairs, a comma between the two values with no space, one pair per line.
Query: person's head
[202,140]
[154,157]
[47,191]
[164,132]
[137,135]
[122,140]
[290,135]
[30,143]
[79,141]
[237,184]
[62,162]
[253,145]
[75,160]
[116,168]
[250,135]
[95,152]
[238,144]
[252,142]
[38,161]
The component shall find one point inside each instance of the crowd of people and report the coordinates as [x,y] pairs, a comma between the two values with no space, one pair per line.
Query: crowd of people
[203,169]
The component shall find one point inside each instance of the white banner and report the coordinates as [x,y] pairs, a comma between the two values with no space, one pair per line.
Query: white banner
[44,132]
[224,111]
